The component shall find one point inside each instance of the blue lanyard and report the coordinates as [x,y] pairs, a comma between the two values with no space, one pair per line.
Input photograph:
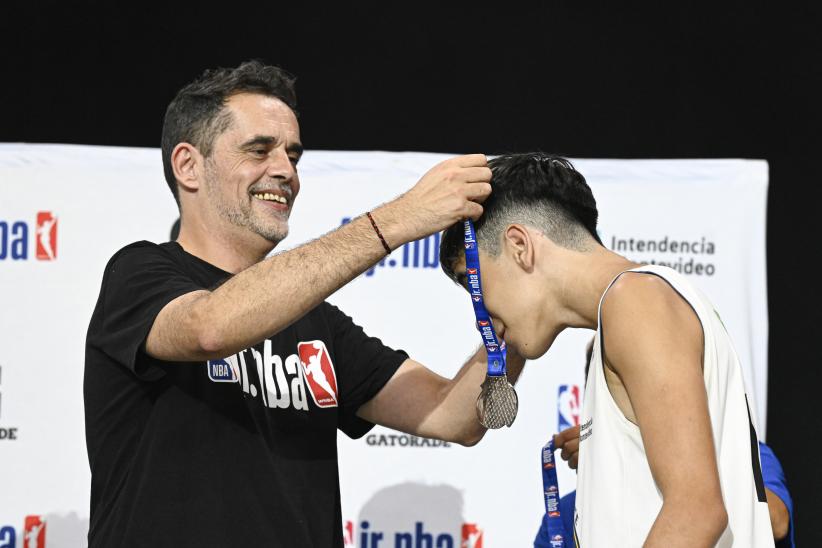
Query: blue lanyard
[550,488]
[495,349]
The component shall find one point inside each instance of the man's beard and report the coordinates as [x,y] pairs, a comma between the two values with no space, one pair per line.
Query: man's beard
[242,214]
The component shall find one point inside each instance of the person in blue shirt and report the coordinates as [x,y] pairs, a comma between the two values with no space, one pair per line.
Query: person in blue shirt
[780,504]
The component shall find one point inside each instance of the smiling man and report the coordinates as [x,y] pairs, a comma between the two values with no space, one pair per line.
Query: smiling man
[216,378]
[668,453]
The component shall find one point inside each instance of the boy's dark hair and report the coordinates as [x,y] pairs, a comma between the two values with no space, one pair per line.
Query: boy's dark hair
[535,189]
[197,115]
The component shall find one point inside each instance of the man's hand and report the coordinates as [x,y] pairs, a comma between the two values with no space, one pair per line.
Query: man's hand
[450,192]
[568,442]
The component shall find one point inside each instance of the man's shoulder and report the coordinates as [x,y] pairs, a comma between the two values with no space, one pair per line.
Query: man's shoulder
[139,260]
[140,254]
[142,248]
[325,314]
[332,315]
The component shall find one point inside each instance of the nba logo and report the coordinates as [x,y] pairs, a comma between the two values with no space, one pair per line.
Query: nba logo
[319,372]
[471,536]
[46,236]
[568,406]
[222,370]
[471,270]
[34,532]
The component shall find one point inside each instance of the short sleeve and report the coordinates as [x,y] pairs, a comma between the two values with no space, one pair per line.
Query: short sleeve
[364,366]
[139,281]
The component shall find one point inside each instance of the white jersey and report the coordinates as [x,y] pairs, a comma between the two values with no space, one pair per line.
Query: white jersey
[617,499]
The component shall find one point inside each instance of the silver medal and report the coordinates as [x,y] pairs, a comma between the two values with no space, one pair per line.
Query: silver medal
[497,403]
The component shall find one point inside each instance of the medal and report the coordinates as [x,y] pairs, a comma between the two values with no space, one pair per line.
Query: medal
[497,403]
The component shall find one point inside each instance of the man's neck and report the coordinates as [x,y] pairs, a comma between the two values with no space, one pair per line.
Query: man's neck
[223,249]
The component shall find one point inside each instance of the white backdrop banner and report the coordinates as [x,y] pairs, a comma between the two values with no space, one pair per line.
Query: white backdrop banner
[64,210]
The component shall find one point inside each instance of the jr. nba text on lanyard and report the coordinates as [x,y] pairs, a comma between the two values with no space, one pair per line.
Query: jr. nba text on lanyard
[497,402]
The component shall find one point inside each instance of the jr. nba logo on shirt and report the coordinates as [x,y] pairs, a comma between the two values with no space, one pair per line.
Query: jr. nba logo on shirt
[568,406]
[319,372]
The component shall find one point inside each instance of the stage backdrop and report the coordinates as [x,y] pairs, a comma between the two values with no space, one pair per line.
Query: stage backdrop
[64,210]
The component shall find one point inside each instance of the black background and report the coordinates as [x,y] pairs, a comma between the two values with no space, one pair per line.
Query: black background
[674,80]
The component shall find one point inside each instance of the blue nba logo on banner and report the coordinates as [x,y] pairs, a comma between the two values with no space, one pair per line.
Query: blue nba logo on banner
[568,406]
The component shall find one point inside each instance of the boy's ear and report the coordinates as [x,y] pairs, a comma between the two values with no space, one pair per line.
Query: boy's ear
[518,242]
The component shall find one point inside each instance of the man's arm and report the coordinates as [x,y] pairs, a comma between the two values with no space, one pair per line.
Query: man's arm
[654,342]
[267,297]
[418,401]
[778,512]
[780,504]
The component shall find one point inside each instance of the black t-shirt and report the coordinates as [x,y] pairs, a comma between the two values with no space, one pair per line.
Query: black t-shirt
[233,452]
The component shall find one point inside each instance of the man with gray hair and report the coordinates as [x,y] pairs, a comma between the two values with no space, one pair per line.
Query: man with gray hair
[206,422]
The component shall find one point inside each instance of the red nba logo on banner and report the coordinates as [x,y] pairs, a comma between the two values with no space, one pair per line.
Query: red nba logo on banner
[471,536]
[46,236]
[34,532]
[319,372]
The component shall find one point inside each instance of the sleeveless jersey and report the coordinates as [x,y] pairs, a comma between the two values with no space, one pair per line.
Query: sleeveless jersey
[617,498]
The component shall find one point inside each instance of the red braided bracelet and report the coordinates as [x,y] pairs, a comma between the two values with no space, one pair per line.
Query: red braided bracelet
[377,230]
